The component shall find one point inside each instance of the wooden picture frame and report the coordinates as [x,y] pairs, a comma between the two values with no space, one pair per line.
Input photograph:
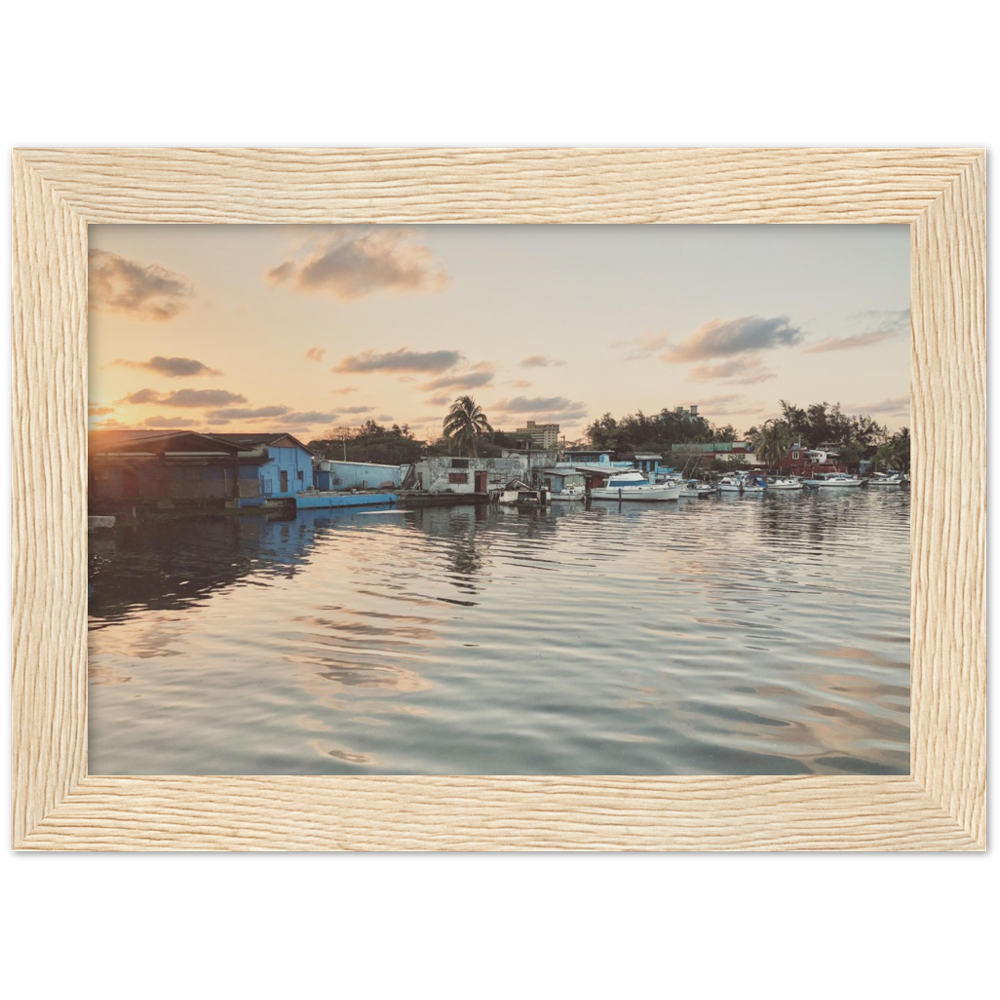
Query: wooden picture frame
[939,193]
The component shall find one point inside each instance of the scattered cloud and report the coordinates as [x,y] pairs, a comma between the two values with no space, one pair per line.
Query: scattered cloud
[733,404]
[355,409]
[638,348]
[170,367]
[848,343]
[440,400]
[346,391]
[384,418]
[541,408]
[520,383]
[403,360]
[725,338]
[315,353]
[350,266]
[142,291]
[712,402]
[540,361]
[476,377]
[894,406]
[310,417]
[886,326]
[741,370]
[247,413]
[184,397]
[168,422]
[93,410]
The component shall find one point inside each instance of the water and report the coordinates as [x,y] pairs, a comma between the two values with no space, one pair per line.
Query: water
[741,635]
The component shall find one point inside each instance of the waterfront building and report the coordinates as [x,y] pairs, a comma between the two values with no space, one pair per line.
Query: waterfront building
[706,451]
[557,479]
[442,473]
[648,462]
[164,468]
[542,436]
[284,465]
[588,456]
[336,475]
[800,461]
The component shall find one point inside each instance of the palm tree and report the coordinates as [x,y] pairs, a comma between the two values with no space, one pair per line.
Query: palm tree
[466,422]
[772,441]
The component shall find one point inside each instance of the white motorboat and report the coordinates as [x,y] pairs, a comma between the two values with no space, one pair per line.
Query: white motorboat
[730,484]
[693,489]
[631,484]
[742,483]
[834,480]
[886,479]
[569,493]
[785,484]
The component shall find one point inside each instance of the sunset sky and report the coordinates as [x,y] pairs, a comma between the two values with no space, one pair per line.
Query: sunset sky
[309,328]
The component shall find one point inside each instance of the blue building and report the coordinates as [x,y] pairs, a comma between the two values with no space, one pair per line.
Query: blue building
[335,475]
[585,456]
[282,464]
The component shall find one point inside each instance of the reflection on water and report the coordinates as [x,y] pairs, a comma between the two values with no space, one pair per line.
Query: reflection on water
[745,635]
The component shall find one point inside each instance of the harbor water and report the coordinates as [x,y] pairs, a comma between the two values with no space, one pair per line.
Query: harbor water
[729,635]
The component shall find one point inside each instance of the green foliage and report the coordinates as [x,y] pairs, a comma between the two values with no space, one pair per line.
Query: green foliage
[772,441]
[371,442]
[658,433]
[465,424]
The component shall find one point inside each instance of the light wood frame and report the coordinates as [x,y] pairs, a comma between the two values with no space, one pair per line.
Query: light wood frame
[939,193]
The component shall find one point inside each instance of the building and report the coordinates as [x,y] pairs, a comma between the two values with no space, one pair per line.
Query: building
[648,462]
[531,457]
[337,475]
[543,436]
[557,479]
[442,473]
[165,468]
[284,465]
[706,451]
[588,456]
[809,461]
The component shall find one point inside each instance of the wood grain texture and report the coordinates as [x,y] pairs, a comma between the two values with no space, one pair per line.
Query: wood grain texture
[499,185]
[475,814]
[948,533]
[58,192]
[49,681]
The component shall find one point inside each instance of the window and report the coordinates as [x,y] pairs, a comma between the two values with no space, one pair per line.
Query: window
[460,463]
[458,477]
[795,456]
[300,476]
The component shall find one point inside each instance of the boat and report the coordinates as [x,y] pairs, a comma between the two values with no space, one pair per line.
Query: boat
[631,484]
[786,483]
[730,484]
[520,495]
[569,493]
[831,480]
[742,483]
[886,479]
[694,489]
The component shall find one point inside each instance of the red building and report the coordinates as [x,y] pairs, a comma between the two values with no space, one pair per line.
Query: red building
[808,461]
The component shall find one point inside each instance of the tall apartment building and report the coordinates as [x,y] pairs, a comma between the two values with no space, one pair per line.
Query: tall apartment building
[543,436]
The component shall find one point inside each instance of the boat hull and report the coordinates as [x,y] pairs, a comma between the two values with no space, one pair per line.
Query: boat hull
[642,494]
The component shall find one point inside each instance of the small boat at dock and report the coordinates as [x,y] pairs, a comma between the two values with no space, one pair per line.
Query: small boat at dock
[834,480]
[887,479]
[631,484]
[569,493]
[787,483]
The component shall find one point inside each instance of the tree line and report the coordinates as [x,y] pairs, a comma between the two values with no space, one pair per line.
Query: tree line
[466,430]
[826,427]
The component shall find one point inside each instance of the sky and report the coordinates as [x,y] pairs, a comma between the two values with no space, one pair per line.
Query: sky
[310,329]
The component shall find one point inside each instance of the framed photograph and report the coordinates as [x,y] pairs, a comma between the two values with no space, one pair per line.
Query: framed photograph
[514,499]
